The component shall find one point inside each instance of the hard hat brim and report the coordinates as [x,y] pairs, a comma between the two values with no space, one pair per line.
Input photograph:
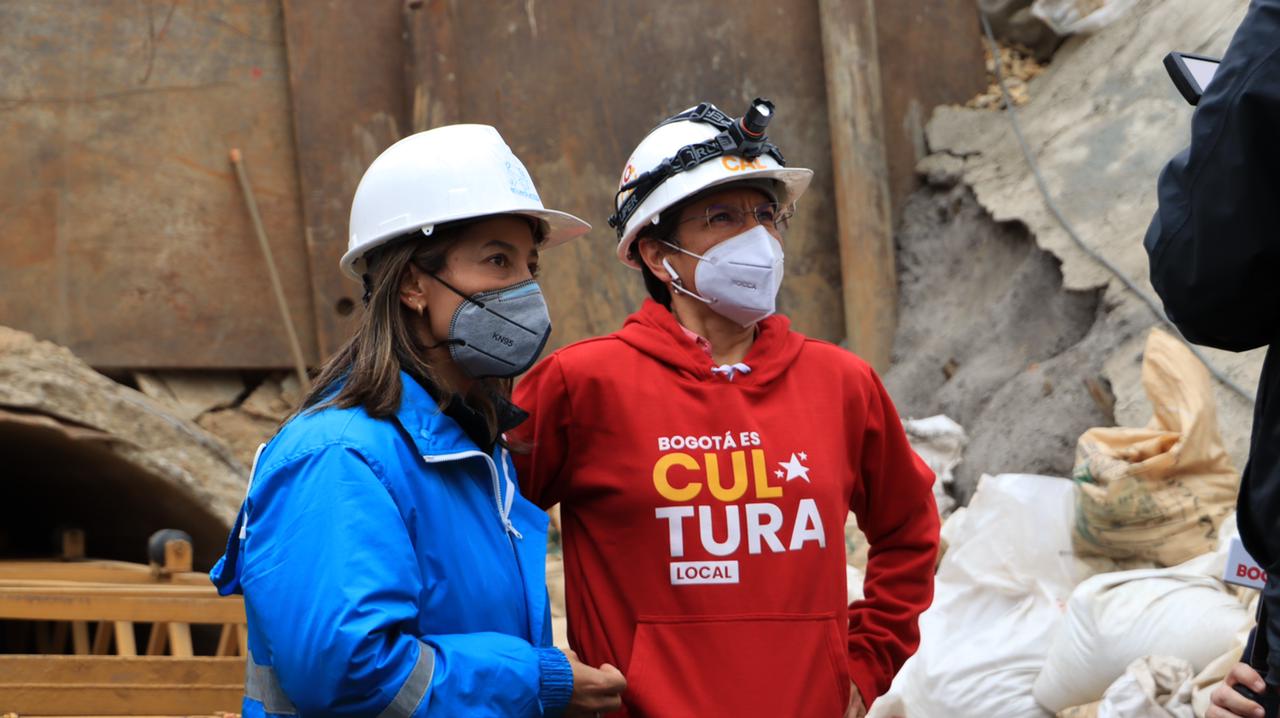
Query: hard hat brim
[558,228]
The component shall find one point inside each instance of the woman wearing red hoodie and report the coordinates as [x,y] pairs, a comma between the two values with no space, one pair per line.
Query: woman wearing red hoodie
[705,458]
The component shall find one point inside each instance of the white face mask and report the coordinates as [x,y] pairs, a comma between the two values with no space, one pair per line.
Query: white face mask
[738,278]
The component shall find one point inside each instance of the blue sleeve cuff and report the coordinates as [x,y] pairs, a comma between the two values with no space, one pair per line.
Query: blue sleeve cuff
[555,686]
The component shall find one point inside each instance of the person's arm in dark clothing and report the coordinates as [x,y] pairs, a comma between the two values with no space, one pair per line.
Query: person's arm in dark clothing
[1214,242]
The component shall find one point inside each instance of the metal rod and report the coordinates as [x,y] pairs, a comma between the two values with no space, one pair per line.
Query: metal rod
[300,363]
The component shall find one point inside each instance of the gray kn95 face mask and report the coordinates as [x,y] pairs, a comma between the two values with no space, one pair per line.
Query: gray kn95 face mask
[498,333]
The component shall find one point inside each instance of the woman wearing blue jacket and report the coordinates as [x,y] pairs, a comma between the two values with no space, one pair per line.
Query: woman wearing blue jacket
[388,563]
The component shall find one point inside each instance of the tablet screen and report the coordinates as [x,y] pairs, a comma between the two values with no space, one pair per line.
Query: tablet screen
[1201,70]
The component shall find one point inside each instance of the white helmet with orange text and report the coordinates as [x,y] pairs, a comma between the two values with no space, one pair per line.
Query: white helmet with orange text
[692,151]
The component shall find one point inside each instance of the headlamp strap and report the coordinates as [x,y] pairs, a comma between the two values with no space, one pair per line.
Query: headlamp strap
[686,158]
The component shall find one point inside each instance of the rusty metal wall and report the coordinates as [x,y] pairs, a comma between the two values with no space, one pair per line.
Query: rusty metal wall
[126,237]
[930,55]
[573,86]
[124,233]
[347,74]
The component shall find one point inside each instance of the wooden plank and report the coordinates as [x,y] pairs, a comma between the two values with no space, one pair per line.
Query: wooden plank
[72,544]
[126,642]
[80,638]
[115,589]
[95,571]
[109,685]
[117,204]
[177,556]
[119,699]
[158,639]
[102,638]
[180,640]
[868,275]
[346,78]
[105,670]
[226,641]
[48,605]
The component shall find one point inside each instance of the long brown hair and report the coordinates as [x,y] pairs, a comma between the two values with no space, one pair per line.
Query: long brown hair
[367,368]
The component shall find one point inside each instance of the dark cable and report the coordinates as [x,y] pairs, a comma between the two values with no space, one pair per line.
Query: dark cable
[1071,232]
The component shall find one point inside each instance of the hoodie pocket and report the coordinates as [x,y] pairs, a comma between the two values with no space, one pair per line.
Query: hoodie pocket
[741,666]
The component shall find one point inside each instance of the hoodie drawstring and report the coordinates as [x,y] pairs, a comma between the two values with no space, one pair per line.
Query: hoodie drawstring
[728,371]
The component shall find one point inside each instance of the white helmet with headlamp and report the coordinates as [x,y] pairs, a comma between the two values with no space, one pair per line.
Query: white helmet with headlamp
[693,151]
[698,150]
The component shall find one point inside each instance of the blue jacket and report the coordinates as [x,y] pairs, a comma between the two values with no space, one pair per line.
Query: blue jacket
[390,568]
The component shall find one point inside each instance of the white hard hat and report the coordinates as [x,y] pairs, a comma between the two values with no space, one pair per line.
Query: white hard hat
[444,175]
[664,143]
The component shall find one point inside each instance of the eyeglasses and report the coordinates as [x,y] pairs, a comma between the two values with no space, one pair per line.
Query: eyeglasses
[728,219]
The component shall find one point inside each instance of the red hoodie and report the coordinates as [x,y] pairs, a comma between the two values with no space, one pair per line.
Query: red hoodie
[703,518]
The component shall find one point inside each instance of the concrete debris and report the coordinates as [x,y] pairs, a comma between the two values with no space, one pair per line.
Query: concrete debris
[1101,124]
[255,420]
[188,394]
[276,398]
[242,431]
[1014,374]
[941,170]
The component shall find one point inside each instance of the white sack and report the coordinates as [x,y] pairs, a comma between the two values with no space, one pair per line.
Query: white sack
[997,604]
[1114,619]
[1151,687]
[1068,17]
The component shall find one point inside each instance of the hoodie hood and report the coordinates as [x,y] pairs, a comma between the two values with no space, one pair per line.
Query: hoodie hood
[653,330]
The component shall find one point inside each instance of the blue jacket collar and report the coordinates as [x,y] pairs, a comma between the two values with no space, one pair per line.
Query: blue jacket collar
[433,432]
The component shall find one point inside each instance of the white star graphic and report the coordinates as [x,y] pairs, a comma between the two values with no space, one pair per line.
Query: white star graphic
[804,456]
[795,469]
[778,473]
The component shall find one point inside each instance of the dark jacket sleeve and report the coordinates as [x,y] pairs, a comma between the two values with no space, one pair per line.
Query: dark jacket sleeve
[1214,243]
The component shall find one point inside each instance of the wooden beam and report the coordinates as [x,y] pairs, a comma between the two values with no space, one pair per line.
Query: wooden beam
[80,638]
[158,639]
[60,699]
[111,685]
[94,571]
[72,544]
[15,669]
[126,642]
[180,640]
[115,589]
[865,226]
[106,605]
[226,641]
[102,638]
